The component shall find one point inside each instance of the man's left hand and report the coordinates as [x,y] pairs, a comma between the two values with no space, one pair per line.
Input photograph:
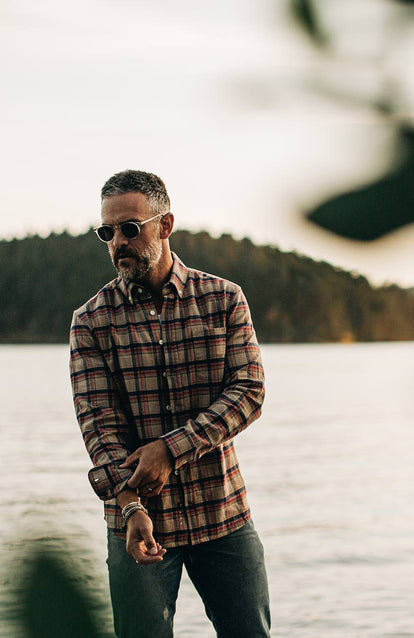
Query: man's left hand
[155,464]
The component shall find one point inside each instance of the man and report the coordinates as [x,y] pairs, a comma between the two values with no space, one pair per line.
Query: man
[166,370]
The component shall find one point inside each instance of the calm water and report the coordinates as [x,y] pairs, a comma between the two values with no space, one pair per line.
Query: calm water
[330,475]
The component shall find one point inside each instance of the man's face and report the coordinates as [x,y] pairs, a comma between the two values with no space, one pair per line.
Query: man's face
[133,258]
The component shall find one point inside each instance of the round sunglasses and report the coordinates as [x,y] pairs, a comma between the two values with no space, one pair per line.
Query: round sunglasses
[130,230]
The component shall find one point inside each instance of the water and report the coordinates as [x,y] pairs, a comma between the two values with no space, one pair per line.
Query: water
[330,476]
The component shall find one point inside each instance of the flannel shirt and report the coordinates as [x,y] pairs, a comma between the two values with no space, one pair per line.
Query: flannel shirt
[193,378]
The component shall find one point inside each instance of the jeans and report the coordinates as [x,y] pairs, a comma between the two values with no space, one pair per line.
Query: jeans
[228,573]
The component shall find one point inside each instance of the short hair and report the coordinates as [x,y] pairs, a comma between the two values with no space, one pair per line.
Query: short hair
[148,184]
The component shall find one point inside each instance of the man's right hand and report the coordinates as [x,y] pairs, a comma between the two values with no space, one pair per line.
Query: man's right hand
[140,543]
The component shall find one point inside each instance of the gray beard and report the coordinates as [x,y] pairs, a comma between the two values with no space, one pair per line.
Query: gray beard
[136,272]
[142,263]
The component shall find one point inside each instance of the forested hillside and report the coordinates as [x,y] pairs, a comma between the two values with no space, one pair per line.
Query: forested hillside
[292,298]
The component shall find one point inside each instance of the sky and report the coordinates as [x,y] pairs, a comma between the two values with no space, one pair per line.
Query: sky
[226,100]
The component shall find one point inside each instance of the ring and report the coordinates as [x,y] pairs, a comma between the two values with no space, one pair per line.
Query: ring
[148,488]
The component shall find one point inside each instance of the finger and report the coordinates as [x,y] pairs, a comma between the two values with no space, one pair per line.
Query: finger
[148,560]
[147,490]
[140,554]
[156,489]
[139,535]
[160,551]
[144,558]
[143,475]
[131,459]
[151,547]
[135,479]
[140,477]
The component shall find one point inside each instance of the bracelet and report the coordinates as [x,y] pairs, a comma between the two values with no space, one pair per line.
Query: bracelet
[131,508]
[132,503]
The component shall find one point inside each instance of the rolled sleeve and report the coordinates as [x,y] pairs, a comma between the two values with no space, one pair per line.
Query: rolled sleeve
[108,481]
[102,421]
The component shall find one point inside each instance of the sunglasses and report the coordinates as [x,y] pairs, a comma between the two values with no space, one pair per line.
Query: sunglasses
[130,230]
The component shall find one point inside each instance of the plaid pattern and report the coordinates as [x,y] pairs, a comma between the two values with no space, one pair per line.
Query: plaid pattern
[194,379]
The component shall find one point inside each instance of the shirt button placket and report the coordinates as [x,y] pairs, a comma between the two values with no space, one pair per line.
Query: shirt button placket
[167,404]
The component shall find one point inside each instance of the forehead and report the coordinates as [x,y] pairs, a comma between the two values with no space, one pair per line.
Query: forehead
[120,208]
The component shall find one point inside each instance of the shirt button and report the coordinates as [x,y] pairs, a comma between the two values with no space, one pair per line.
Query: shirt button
[139,289]
[152,312]
[164,374]
[176,472]
[168,407]
[161,342]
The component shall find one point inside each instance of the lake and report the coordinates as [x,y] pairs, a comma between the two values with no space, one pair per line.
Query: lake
[329,471]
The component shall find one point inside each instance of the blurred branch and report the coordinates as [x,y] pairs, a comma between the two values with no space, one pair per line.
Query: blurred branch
[305,14]
[386,204]
[379,208]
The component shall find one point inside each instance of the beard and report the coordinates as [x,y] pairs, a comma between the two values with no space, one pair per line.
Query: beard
[142,262]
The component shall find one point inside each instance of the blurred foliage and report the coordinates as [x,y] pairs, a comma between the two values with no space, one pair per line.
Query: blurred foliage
[53,605]
[378,208]
[292,298]
[305,13]
[53,593]
[382,206]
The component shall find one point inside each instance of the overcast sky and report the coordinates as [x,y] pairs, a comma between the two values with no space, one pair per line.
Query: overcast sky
[217,97]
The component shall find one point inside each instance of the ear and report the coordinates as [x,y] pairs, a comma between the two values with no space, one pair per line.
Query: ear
[167,225]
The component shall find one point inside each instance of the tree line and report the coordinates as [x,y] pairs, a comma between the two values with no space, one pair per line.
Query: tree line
[293,299]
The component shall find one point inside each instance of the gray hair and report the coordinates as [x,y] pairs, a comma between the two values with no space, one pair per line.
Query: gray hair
[148,184]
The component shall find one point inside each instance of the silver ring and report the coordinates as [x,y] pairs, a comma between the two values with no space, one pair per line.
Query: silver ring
[148,488]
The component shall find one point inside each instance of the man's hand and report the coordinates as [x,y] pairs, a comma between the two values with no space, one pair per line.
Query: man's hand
[140,542]
[154,467]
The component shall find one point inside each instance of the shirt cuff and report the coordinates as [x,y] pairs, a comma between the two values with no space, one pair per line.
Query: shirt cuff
[181,446]
[108,480]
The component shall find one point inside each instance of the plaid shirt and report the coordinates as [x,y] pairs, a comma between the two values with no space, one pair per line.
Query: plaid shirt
[193,379]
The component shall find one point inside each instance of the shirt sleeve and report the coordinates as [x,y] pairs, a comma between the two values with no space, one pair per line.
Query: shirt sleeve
[102,421]
[240,402]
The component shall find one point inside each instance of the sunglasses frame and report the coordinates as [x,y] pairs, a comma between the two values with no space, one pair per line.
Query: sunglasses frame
[115,226]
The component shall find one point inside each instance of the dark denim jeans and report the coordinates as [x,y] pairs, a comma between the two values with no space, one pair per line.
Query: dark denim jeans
[228,573]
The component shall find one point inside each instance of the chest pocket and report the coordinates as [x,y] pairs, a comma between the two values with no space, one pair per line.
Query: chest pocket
[209,353]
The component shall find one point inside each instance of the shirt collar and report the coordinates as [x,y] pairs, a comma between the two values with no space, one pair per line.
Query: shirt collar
[177,280]
[179,274]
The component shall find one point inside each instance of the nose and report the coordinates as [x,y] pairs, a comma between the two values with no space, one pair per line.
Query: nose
[119,238]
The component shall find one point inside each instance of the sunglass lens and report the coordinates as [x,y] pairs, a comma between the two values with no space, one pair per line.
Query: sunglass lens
[130,230]
[106,233]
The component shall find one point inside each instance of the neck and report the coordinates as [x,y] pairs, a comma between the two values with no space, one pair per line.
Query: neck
[158,276]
